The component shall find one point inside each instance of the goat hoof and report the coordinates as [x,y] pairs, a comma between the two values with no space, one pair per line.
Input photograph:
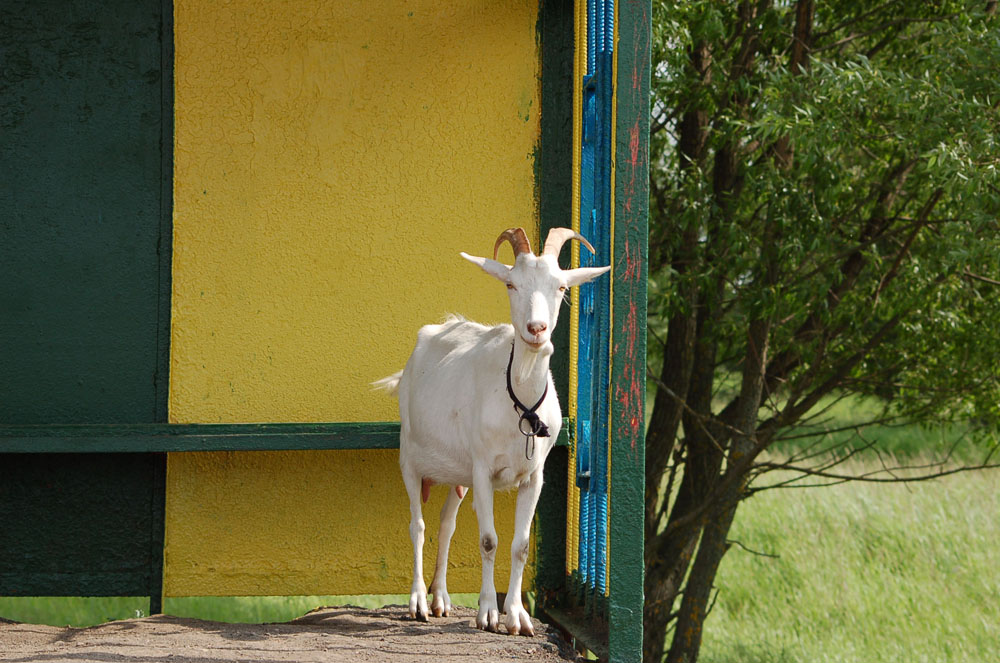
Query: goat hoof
[418,606]
[488,620]
[441,605]
[518,621]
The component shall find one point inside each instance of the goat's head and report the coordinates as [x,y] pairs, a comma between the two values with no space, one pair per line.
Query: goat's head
[536,285]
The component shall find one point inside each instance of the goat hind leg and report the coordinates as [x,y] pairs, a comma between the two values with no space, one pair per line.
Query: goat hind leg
[441,605]
[418,590]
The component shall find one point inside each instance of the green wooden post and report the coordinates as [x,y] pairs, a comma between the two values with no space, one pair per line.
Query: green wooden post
[554,188]
[628,366]
[84,326]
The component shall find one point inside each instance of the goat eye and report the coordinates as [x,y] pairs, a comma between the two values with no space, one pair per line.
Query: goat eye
[510,286]
[562,288]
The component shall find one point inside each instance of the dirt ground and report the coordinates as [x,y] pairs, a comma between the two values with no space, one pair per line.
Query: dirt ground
[331,635]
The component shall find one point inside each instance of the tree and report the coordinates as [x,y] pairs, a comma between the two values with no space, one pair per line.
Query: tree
[823,222]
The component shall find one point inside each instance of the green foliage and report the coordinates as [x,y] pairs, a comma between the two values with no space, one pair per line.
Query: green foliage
[878,226]
[824,229]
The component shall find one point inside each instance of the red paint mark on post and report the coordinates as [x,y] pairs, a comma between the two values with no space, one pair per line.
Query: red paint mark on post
[633,144]
[628,392]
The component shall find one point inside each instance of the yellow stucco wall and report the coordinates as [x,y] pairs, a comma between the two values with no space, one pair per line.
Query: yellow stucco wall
[331,160]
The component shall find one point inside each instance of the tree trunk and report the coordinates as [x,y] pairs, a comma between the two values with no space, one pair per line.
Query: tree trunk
[667,560]
[714,542]
[665,568]
[668,407]
[705,438]
[678,351]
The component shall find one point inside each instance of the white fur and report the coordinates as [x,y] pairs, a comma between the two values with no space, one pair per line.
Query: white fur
[459,426]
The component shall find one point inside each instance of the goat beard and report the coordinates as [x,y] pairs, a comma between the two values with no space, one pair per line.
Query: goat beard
[526,367]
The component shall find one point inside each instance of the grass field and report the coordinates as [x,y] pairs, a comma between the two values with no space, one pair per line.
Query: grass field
[863,573]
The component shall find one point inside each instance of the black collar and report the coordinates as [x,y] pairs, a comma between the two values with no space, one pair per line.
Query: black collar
[536,426]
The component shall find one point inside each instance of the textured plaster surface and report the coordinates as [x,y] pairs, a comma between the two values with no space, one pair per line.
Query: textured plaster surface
[331,160]
[309,522]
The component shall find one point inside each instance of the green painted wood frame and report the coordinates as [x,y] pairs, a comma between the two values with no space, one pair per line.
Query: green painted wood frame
[628,366]
[554,189]
[620,639]
[171,438]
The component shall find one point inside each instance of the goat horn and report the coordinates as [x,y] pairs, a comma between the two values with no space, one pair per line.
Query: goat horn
[518,241]
[558,236]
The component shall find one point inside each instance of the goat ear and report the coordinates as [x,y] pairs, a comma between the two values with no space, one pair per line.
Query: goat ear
[581,275]
[497,270]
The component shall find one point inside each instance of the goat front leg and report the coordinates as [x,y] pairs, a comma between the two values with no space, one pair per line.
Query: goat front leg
[518,620]
[441,605]
[482,501]
[418,590]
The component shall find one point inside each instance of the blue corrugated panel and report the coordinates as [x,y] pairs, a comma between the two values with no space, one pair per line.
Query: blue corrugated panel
[594,350]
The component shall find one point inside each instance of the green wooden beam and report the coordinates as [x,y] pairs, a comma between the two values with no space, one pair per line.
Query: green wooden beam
[82,209]
[87,157]
[628,366]
[550,530]
[142,438]
[164,252]
[158,438]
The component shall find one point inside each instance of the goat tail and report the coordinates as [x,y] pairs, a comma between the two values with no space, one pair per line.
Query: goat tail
[389,385]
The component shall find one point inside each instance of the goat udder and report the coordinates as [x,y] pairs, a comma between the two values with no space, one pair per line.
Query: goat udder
[425,490]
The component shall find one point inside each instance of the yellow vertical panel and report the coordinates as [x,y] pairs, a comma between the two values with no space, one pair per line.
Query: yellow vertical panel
[331,160]
[573,499]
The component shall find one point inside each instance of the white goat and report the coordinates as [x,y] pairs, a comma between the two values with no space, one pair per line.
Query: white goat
[465,407]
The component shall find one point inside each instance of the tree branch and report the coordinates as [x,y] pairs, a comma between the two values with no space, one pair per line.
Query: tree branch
[976,277]
[870,477]
[921,221]
[733,542]
[902,21]
[857,19]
